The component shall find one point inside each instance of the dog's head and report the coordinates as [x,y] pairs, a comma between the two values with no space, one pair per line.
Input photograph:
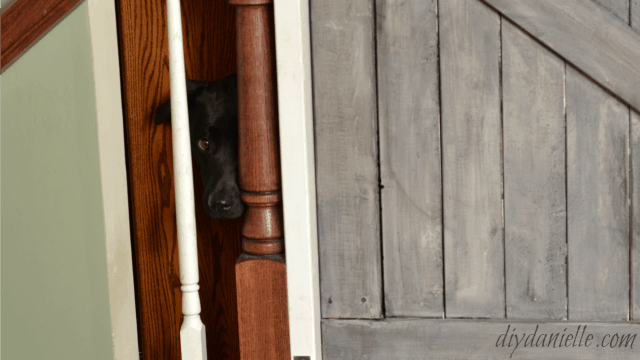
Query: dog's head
[213,123]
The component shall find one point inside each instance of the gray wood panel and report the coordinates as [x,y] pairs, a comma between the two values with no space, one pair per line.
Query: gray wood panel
[346,158]
[414,339]
[534,178]
[586,35]
[597,190]
[619,8]
[635,212]
[472,171]
[622,9]
[409,118]
[635,15]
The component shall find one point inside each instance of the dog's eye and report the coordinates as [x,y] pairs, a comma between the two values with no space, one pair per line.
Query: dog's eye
[204,144]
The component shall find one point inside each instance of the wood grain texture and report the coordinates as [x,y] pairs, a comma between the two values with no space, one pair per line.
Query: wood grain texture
[586,35]
[619,8]
[414,339]
[634,19]
[26,22]
[209,38]
[472,173]
[262,304]
[346,158]
[259,151]
[409,120]
[597,191]
[635,213]
[5,5]
[258,125]
[261,280]
[534,178]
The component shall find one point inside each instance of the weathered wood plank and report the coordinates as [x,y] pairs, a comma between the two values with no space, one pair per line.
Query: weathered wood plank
[597,190]
[534,178]
[475,339]
[347,156]
[623,10]
[635,212]
[634,20]
[586,35]
[619,8]
[635,252]
[472,173]
[409,118]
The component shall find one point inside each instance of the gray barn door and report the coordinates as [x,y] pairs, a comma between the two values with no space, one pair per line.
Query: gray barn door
[475,178]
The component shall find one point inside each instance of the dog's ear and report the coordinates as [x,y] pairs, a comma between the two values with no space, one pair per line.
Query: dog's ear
[231,86]
[193,86]
[164,110]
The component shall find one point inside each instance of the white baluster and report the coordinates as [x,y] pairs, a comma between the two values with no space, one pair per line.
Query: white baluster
[192,332]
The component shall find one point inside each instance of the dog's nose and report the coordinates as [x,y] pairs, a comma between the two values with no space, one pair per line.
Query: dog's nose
[224,205]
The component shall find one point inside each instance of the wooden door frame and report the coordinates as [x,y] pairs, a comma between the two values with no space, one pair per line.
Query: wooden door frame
[113,172]
[295,108]
[35,19]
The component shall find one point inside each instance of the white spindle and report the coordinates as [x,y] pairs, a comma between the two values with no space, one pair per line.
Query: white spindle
[192,333]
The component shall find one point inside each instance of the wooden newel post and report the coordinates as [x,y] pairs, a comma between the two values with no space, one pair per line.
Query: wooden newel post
[260,271]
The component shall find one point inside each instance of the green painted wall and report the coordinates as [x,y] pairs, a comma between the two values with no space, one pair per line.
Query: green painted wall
[55,299]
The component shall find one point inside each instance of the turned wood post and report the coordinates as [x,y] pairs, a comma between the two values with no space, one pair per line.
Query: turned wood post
[260,271]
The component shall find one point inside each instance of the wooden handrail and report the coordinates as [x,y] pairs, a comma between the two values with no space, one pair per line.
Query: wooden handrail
[26,22]
[260,270]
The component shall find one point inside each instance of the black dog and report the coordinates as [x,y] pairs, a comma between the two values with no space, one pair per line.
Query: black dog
[213,123]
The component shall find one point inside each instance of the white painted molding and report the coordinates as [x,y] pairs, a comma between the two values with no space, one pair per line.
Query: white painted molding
[192,333]
[295,108]
[106,69]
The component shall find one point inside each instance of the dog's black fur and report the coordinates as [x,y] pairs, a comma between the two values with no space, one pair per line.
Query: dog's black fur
[213,121]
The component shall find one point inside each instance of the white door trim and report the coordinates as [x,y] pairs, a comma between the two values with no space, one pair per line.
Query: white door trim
[295,108]
[113,173]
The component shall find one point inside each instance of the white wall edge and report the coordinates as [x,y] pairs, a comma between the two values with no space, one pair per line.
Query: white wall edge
[293,59]
[113,173]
